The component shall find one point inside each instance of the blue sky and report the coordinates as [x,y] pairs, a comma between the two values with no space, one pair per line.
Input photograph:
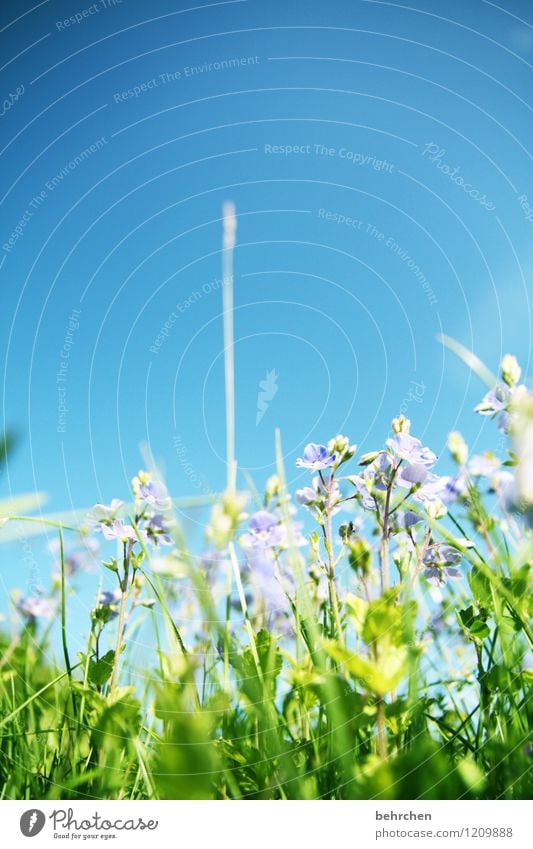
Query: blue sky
[377,154]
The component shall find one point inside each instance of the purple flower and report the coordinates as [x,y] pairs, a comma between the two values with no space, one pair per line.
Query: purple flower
[307,496]
[34,607]
[495,401]
[441,560]
[102,514]
[412,475]
[409,449]
[78,557]
[364,484]
[155,494]
[119,530]
[440,554]
[316,457]
[158,530]
[265,531]
[107,605]
[317,494]
[107,598]
[266,580]
[483,465]
[438,575]
[403,521]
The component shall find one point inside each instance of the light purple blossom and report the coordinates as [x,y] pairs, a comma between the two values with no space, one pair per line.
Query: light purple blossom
[121,531]
[414,474]
[307,496]
[498,402]
[405,520]
[409,449]
[107,603]
[103,514]
[272,589]
[316,457]
[78,557]
[265,532]
[34,607]
[317,494]
[155,494]
[158,530]
[441,554]
[438,575]
[495,401]
[107,598]
[483,465]
[364,484]
[441,561]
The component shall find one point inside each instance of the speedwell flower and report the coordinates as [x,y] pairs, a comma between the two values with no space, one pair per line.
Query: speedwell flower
[103,514]
[316,457]
[121,531]
[34,607]
[409,449]
[265,532]
[441,561]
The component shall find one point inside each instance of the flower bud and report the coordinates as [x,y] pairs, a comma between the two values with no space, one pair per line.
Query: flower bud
[225,517]
[510,370]
[346,530]
[368,458]
[401,424]
[341,446]
[272,489]
[436,509]
[457,447]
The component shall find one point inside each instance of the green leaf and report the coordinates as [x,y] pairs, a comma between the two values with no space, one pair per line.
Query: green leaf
[480,586]
[100,670]
[380,678]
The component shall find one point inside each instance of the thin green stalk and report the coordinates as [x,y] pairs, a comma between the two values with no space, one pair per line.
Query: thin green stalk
[63,607]
[34,696]
[121,615]
[229,228]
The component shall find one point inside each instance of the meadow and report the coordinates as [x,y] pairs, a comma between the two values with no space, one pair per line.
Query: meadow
[366,637]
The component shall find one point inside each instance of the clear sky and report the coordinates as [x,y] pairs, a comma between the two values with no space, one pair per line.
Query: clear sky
[379,156]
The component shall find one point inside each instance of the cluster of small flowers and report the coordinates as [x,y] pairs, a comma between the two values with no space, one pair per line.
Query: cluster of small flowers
[392,477]
[501,401]
[152,523]
[397,484]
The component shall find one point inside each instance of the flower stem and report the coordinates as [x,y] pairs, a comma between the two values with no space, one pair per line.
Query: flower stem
[381,729]
[121,616]
[328,544]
